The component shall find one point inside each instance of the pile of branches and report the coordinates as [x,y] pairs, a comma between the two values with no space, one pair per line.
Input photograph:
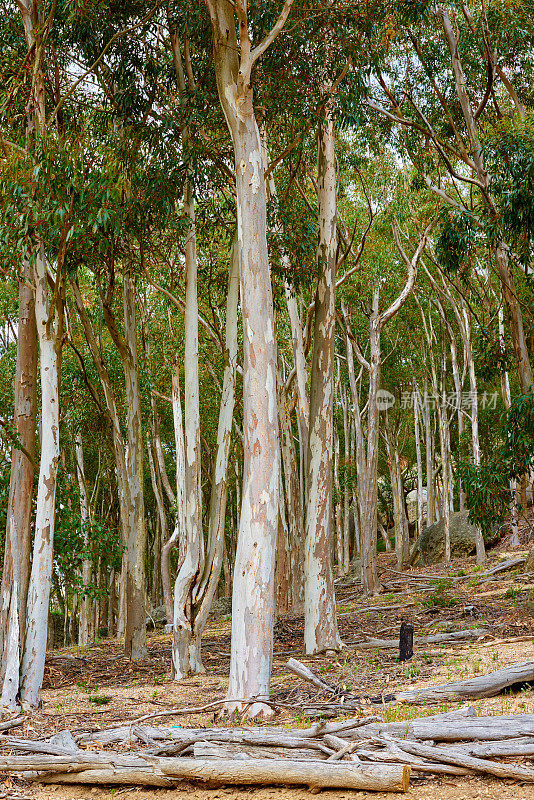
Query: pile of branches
[360,753]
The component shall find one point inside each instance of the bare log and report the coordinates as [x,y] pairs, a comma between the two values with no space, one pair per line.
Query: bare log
[204,749]
[482,686]
[166,771]
[437,638]
[460,759]
[307,675]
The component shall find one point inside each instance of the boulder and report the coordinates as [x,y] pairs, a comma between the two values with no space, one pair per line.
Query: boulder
[430,547]
[157,617]
[221,607]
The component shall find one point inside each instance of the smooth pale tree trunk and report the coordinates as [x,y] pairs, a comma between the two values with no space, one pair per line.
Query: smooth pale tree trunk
[123,463]
[346,492]
[320,620]
[253,602]
[402,541]
[419,461]
[85,521]
[135,634]
[429,456]
[16,567]
[338,516]
[295,518]
[178,536]
[283,567]
[299,356]
[473,387]
[33,659]
[185,655]
[507,400]
[193,595]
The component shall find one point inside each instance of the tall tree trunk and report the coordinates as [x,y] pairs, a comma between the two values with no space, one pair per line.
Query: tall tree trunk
[33,659]
[429,455]
[85,521]
[402,542]
[16,568]
[524,369]
[179,532]
[320,621]
[135,634]
[417,436]
[253,603]
[295,518]
[507,400]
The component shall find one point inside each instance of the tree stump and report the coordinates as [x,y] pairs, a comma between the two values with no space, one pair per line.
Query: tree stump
[405,641]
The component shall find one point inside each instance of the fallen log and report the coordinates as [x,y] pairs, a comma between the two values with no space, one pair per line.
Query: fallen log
[306,674]
[11,723]
[460,759]
[448,730]
[314,774]
[438,638]
[486,685]
[507,748]
[203,749]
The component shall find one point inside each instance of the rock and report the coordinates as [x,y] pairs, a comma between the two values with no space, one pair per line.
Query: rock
[430,548]
[157,617]
[221,607]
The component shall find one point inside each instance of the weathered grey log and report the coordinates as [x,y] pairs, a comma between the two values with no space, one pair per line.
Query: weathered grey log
[315,774]
[486,685]
[306,674]
[11,723]
[34,746]
[114,777]
[68,762]
[174,737]
[479,729]
[395,754]
[254,738]
[392,644]
[507,748]
[445,754]
[203,749]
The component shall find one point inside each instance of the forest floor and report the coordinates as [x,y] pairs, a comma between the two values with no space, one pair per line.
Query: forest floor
[97,687]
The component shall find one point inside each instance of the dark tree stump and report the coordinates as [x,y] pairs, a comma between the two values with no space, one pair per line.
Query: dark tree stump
[405,641]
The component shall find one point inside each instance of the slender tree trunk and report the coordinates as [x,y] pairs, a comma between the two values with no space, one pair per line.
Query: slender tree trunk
[85,520]
[179,533]
[135,634]
[346,492]
[429,455]
[480,548]
[295,518]
[402,542]
[33,659]
[320,621]
[16,567]
[417,436]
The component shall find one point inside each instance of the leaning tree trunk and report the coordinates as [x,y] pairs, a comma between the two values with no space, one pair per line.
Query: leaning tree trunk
[417,437]
[33,659]
[16,568]
[320,621]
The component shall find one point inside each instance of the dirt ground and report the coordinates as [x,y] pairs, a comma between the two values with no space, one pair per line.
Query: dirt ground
[97,687]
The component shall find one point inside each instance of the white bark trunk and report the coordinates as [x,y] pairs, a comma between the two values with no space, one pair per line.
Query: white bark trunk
[320,621]
[85,520]
[33,659]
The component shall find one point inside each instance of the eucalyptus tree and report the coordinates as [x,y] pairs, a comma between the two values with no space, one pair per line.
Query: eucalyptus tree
[460,66]
[253,586]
